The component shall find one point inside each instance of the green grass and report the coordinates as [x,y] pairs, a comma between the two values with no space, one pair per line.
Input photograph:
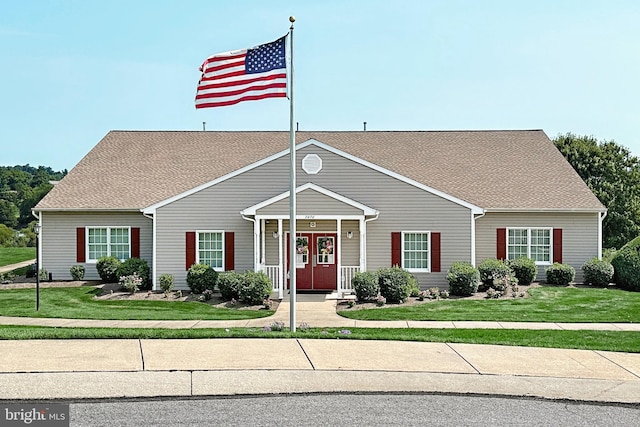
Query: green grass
[15,255]
[79,303]
[546,304]
[622,341]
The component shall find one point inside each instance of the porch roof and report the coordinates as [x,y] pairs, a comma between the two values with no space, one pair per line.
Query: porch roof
[254,210]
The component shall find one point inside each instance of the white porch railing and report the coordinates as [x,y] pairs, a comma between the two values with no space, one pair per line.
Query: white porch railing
[346,274]
[273,271]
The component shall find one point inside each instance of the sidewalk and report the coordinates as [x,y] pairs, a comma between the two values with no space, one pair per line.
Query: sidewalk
[79,369]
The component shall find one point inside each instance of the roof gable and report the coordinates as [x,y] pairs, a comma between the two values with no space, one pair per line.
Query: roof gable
[366,210]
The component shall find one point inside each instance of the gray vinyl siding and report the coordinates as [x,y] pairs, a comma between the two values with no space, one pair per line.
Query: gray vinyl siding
[579,235]
[310,202]
[59,239]
[402,207]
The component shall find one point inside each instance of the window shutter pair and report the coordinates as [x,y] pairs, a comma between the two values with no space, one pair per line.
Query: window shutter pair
[229,255]
[501,246]
[81,255]
[396,251]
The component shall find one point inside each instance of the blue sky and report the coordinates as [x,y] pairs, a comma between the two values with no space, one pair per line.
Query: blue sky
[74,69]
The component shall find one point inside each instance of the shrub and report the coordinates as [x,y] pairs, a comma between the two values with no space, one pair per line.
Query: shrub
[201,277]
[560,274]
[7,277]
[206,295]
[77,272]
[130,283]
[255,287]
[489,269]
[229,283]
[524,269]
[31,271]
[366,285]
[166,282]
[380,300]
[139,266]
[502,283]
[597,272]
[107,267]
[463,279]
[626,265]
[395,284]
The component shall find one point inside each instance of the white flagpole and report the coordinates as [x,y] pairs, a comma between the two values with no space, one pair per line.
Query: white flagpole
[292,194]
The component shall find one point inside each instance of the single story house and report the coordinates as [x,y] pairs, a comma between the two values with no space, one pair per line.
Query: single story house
[365,200]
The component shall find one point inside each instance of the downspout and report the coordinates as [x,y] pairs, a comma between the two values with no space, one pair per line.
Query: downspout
[601,217]
[473,236]
[153,249]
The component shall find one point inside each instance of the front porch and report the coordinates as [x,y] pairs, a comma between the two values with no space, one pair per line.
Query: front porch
[330,240]
[348,254]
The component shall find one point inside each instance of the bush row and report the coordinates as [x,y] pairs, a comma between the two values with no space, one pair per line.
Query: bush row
[249,287]
[394,284]
[111,269]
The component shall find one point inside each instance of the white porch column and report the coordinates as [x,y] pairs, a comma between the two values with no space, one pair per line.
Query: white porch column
[281,275]
[363,244]
[340,287]
[256,245]
[262,242]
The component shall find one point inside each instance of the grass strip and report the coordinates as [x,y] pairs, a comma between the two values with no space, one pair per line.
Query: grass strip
[621,341]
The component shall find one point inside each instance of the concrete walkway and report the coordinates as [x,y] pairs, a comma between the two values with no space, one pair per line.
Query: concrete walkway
[78,369]
[11,267]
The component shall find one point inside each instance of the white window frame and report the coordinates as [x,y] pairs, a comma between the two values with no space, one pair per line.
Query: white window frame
[549,229]
[224,249]
[402,251]
[108,228]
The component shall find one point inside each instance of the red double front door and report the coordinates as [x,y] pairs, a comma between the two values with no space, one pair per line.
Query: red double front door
[316,261]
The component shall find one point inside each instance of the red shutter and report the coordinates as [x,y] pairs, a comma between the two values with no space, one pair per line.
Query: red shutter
[135,242]
[501,246]
[190,249]
[435,252]
[80,246]
[557,245]
[396,250]
[229,254]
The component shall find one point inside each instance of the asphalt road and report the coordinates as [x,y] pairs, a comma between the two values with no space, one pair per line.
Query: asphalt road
[346,409]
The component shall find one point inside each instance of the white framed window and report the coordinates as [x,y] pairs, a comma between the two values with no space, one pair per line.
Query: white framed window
[416,249]
[210,251]
[108,241]
[534,243]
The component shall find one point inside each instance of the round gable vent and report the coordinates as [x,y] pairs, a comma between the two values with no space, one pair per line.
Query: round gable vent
[312,164]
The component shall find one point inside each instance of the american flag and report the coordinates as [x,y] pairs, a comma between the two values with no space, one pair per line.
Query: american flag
[243,75]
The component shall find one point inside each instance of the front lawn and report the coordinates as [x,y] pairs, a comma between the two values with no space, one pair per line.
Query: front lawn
[546,304]
[10,256]
[79,303]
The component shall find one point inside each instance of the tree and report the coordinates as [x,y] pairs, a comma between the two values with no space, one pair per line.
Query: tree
[8,213]
[6,235]
[613,174]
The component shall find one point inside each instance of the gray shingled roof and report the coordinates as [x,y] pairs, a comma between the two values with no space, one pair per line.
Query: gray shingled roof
[490,169]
